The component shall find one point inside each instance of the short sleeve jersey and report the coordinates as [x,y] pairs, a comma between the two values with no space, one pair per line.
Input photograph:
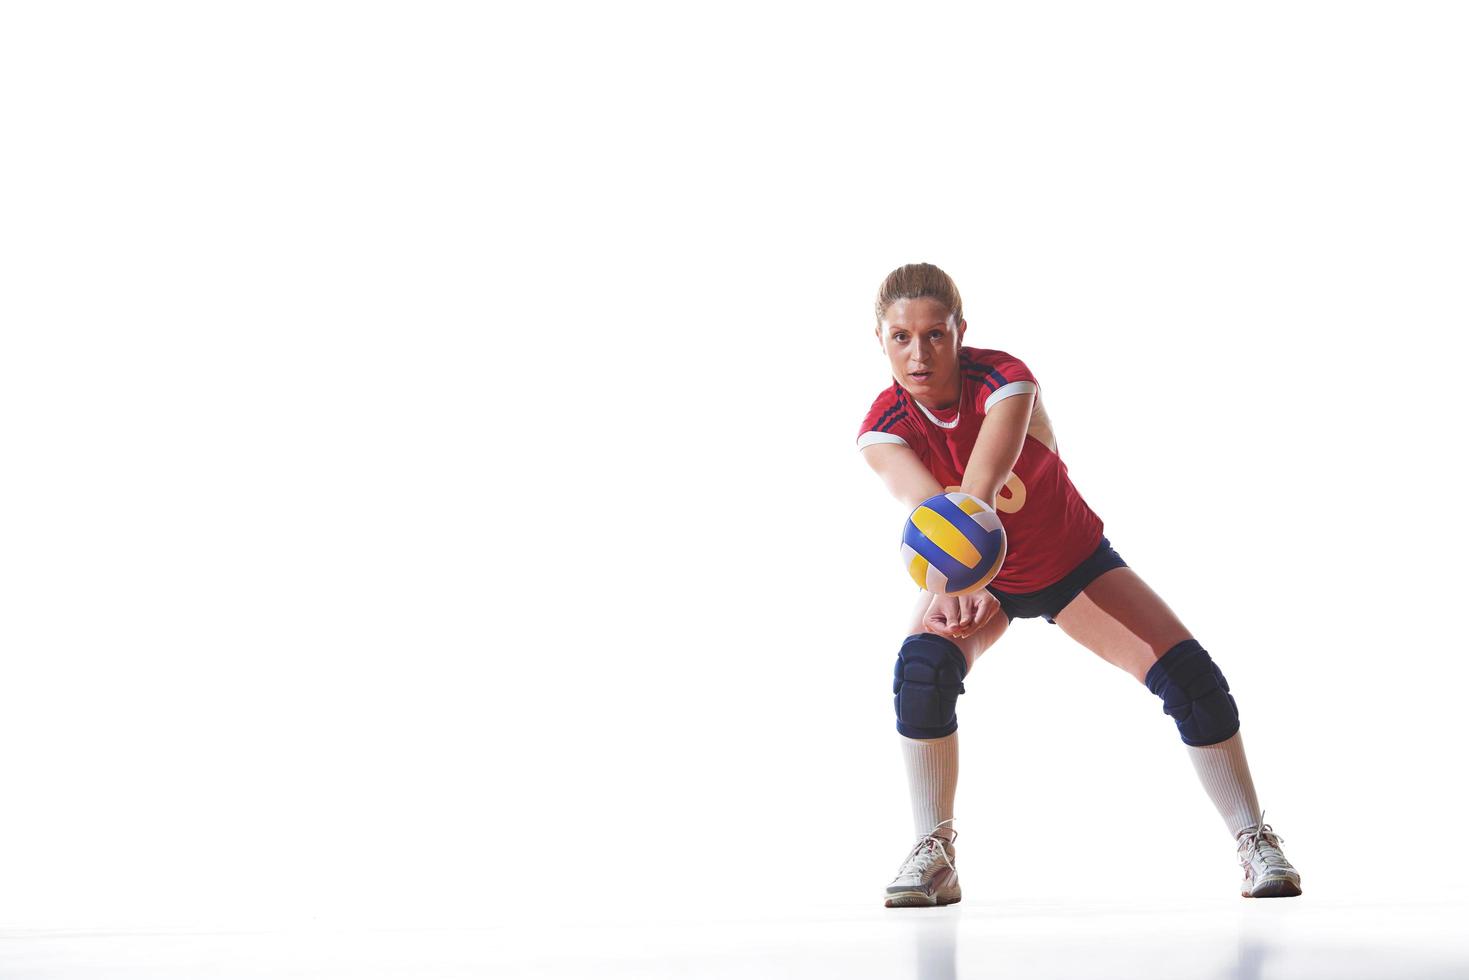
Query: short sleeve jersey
[1049,529]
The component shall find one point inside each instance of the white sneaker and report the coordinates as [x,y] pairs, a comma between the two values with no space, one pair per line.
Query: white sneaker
[928,876]
[1267,873]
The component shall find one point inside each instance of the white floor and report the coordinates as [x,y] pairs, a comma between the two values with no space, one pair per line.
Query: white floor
[1223,940]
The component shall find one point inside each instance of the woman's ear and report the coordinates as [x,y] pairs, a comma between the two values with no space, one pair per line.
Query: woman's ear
[962,325]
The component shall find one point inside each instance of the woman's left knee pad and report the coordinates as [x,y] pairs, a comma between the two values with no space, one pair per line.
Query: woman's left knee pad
[927,681]
[1195,694]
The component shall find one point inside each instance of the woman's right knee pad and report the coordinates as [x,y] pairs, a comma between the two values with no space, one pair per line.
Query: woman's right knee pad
[927,681]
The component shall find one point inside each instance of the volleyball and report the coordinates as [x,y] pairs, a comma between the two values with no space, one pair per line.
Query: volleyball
[953,544]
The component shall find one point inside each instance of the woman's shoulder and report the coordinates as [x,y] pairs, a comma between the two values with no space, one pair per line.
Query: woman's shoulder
[995,366]
[891,415]
[986,355]
[889,404]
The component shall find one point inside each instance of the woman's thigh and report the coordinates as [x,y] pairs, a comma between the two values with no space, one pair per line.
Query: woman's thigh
[1124,622]
[972,646]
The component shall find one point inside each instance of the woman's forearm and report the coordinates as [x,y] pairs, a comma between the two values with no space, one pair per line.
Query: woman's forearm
[905,477]
[995,452]
[985,485]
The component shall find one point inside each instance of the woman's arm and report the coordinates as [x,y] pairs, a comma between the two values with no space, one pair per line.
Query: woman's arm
[1001,437]
[954,616]
[903,472]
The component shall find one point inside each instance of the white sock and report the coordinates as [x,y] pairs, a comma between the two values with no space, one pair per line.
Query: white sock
[1225,773]
[933,775]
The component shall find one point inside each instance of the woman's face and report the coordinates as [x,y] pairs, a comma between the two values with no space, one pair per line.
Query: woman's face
[922,342]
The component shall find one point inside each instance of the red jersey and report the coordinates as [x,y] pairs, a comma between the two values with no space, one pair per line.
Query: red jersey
[1049,529]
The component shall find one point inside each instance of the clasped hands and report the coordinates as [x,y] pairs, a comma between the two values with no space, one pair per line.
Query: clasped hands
[960,616]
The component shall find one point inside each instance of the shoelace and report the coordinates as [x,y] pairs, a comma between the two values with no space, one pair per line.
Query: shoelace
[923,852]
[1264,841]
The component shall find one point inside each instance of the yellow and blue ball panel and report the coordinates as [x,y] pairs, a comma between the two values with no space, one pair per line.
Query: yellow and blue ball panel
[953,544]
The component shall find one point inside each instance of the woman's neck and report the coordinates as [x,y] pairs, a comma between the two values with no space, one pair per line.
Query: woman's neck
[945,404]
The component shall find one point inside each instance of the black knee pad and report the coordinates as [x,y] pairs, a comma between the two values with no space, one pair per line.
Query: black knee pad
[927,681]
[1195,694]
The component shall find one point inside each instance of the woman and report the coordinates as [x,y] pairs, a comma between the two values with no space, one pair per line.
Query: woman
[960,418]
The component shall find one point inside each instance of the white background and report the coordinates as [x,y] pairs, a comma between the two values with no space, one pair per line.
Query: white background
[427,431]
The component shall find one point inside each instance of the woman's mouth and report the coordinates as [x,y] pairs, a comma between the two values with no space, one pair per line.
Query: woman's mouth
[920,376]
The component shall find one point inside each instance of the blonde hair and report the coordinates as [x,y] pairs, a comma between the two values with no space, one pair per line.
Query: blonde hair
[919,280]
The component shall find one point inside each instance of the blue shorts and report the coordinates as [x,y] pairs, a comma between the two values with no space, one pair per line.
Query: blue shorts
[1053,598]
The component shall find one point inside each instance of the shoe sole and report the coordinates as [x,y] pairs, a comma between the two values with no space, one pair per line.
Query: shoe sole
[915,899]
[1274,888]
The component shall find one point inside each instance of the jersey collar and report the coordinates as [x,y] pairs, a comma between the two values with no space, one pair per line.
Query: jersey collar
[954,424]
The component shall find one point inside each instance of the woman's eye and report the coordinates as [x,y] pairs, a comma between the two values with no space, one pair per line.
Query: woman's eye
[900,337]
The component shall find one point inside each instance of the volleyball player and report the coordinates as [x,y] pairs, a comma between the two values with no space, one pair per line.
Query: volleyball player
[971,419]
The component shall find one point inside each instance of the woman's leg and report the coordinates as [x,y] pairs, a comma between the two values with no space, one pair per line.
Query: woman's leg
[1124,622]
[932,764]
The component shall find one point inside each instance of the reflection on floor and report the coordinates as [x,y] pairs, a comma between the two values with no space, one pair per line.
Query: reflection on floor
[1231,939]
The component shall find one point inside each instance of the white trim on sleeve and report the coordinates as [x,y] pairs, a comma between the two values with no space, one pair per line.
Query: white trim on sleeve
[1005,391]
[878,438]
